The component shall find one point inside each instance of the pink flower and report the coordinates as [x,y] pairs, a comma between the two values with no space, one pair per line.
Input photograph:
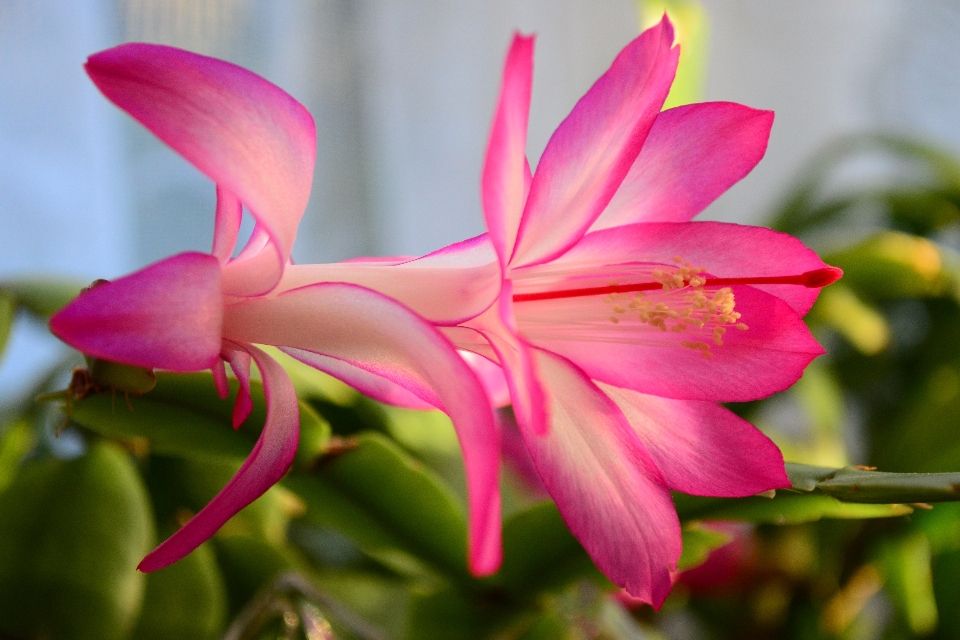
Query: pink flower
[195,311]
[618,322]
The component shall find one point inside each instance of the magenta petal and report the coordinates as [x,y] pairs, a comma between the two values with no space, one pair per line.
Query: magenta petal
[248,135]
[268,462]
[239,360]
[767,357]
[591,151]
[693,154]
[725,250]
[165,316]
[447,287]
[491,376]
[505,168]
[219,372]
[370,331]
[702,448]
[227,224]
[369,384]
[605,484]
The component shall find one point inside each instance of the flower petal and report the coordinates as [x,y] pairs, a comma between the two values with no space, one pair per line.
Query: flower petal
[447,287]
[622,350]
[248,135]
[239,360]
[271,457]
[605,484]
[693,154]
[726,251]
[505,167]
[372,332]
[369,384]
[591,151]
[165,316]
[226,228]
[491,376]
[219,372]
[702,448]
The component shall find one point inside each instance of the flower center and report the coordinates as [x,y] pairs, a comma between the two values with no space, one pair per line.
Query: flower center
[679,300]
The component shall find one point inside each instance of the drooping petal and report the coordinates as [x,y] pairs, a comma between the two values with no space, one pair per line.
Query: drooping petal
[725,250]
[591,151]
[239,360]
[369,384]
[499,328]
[248,135]
[702,448]
[605,484]
[693,154]
[165,316]
[447,287]
[219,372]
[505,167]
[610,340]
[271,457]
[372,332]
[226,228]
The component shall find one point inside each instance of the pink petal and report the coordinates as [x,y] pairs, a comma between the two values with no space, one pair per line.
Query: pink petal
[227,224]
[605,484]
[219,372]
[505,167]
[693,154]
[497,325]
[725,250]
[702,448]
[767,357]
[165,316]
[372,332]
[447,287]
[239,360]
[491,376]
[271,457]
[248,135]
[369,384]
[591,152]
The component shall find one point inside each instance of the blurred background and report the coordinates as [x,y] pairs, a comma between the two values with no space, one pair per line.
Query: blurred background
[861,165]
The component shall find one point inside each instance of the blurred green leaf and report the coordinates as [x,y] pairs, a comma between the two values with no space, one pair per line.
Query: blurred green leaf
[860,323]
[184,416]
[72,536]
[16,440]
[549,626]
[540,554]
[8,309]
[42,296]
[389,504]
[450,614]
[892,264]
[186,600]
[692,28]
[249,563]
[786,508]
[698,543]
[905,564]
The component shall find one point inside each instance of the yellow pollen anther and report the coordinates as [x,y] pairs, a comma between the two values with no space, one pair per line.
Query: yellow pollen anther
[614,319]
[742,326]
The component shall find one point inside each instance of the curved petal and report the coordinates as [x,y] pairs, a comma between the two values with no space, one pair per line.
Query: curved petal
[725,250]
[447,287]
[372,332]
[693,154]
[498,326]
[219,372]
[591,151]
[605,484]
[702,448]
[165,316]
[240,364]
[611,343]
[491,376]
[248,135]
[226,227]
[505,167]
[271,457]
[369,384]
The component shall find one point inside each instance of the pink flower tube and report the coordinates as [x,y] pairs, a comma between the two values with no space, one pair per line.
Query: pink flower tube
[618,322]
[197,311]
